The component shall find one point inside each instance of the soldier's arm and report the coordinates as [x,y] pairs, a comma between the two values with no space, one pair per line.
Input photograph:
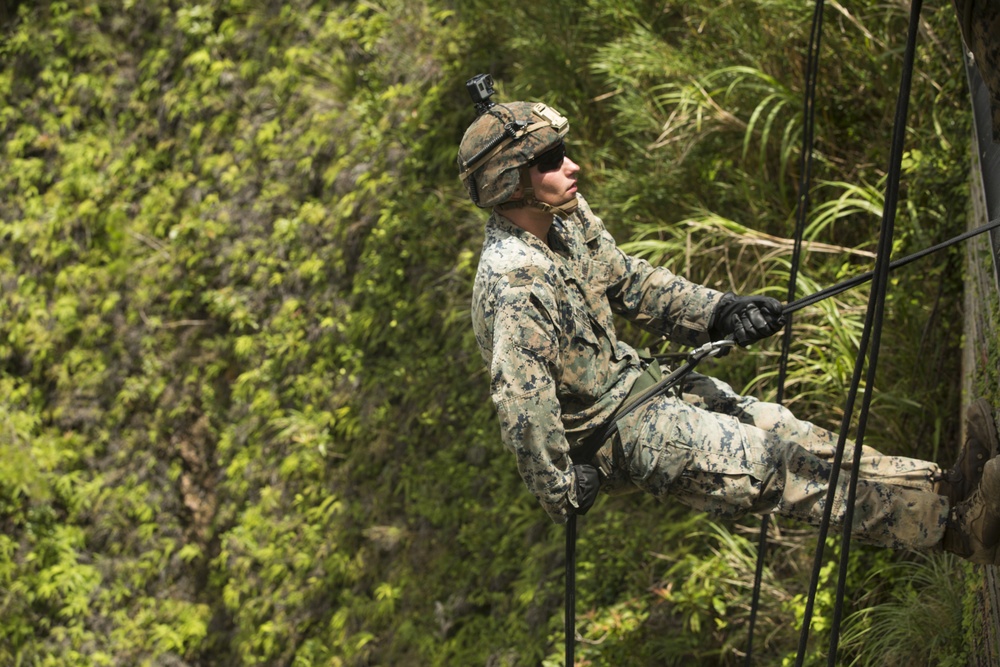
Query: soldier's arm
[523,389]
[652,297]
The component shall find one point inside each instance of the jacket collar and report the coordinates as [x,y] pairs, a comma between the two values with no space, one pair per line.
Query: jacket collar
[556,233]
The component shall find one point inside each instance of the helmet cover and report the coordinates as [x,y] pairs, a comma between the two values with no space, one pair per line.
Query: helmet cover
[491,175]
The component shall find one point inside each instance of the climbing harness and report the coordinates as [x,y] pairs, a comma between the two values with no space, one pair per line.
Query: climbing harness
[588,448]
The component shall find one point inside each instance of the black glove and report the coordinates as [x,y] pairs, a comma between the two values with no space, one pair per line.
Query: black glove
[587,484]
[747,319]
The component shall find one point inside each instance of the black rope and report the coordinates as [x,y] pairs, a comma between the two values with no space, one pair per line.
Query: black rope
[805,177]
[758,578]
[824,527]
[873,330]
[570,621]
[882,273]
[862,278]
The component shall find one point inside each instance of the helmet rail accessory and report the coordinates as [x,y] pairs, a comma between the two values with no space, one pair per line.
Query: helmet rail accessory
[480,89]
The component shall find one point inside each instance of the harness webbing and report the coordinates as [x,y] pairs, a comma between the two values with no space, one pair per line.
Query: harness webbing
[586,451]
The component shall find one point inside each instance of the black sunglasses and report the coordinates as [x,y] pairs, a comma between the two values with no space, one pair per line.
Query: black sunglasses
[551,159]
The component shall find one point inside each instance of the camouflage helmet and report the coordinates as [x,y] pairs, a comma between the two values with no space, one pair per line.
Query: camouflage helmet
[502,140]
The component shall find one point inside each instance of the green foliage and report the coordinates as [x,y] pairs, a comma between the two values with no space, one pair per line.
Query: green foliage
[242,416]
[920,622]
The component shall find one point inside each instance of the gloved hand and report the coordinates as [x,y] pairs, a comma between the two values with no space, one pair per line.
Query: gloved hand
[588,482]
[747,319]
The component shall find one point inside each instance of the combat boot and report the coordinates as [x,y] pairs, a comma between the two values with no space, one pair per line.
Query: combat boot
[981,443]
[973,527]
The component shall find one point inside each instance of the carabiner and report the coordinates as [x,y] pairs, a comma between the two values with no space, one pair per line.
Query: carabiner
[712,349]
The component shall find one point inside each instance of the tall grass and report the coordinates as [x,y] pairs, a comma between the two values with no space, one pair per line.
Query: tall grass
[916,622]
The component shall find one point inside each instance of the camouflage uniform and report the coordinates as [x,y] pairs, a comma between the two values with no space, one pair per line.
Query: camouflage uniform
[543,318]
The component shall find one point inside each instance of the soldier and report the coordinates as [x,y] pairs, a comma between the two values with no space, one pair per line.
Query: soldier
[549,281]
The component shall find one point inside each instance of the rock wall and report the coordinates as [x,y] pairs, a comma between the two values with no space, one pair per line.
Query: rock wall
[981,356]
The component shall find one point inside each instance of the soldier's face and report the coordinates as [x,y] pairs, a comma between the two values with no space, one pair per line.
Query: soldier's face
[555,187]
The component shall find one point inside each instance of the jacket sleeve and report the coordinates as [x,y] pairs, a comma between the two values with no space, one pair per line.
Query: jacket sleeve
[523,389]
[652,297]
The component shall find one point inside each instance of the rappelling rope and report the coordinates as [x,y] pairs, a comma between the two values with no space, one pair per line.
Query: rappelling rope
[862,278]
[872,332]
[805,176]
[882,278]
[570,611]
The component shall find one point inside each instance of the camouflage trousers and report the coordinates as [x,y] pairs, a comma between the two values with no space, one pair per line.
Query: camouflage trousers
[730,455]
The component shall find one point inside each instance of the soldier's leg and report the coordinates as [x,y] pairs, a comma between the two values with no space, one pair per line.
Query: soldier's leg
[716,396]
[716,463]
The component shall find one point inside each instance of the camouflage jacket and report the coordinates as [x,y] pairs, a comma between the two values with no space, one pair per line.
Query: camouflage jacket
[543,318]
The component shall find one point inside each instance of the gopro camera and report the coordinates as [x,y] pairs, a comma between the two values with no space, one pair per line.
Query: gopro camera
[480,89]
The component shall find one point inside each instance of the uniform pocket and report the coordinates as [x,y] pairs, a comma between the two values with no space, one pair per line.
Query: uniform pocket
[671,438]
[595,293]
[582,363]
[724,446]
[646,444]
[533,340]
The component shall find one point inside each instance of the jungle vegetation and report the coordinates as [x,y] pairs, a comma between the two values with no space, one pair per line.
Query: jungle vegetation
[243,420]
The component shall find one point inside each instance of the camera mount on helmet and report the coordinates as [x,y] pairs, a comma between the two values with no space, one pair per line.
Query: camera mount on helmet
[480,89]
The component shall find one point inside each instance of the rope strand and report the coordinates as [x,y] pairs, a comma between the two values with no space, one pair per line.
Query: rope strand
[882,271]
[802,213]
[862,278]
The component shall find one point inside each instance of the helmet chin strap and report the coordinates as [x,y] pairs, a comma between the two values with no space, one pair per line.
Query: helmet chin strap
[528,200]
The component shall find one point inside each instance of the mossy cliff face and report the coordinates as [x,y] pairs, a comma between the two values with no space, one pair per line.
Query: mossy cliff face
[243,420]
[981,378]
